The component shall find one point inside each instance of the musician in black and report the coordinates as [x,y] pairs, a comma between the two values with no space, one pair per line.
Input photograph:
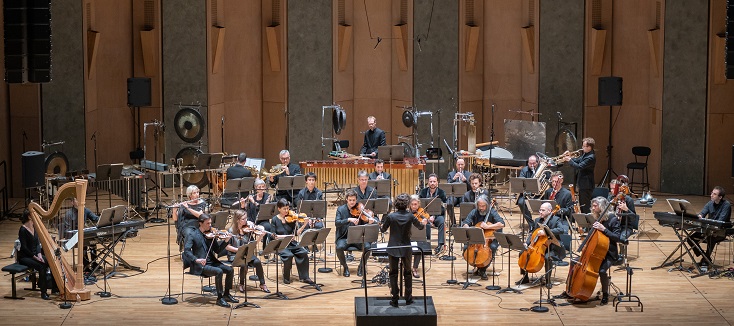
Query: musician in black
[379,172]
[344,219]
[252,204]
[625,211]
[610,227]
[200,256]
[186,214]
[243,233]
[437,220]
[717,209]
[487,218]
[238,170]
[459,175]
[289,169]
[362,189]
[373,138]
[30,254]
[561,195]
[282,228]
[584,166]
[399,223]
[475,180]
[69,223]
[310,192]
[558,226]
[414,206]
[527,172]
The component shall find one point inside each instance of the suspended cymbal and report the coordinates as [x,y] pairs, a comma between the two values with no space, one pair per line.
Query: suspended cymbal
[189,125]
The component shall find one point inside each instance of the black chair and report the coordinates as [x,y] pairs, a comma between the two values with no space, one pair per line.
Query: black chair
[641,154]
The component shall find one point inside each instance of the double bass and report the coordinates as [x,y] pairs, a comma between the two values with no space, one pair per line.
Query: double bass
[533,259]
[480,255]
[584,273]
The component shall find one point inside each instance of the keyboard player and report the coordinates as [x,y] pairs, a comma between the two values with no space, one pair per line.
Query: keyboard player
[718,209]
[69,223]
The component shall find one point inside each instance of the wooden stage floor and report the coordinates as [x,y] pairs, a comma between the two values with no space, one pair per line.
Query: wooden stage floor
[669,298]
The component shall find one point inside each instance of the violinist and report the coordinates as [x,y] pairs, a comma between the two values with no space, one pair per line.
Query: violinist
[494,222]
[285,223]
[399,223]
[200,256]
[430,192]
[626,212]
[718,209]
[475,180]
[558,226]
[244,232]
[289,169]
[610,227]
[351,213]
[362,190]
[423,217]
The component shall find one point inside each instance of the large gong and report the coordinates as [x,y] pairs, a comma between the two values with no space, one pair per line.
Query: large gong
[409,119]
[57,164]
[189,156]
[338,120]
[189,125]
[565,141]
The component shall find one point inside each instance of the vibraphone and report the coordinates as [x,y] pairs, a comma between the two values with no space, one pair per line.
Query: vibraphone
[344,173]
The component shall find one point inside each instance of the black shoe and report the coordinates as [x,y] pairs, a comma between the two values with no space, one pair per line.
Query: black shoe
[45,296]
[409,301]
[307,281]
[360,272]
[484,275]
[604,299]
[703,262]
[524,280]
[438,249]
[561,263]
[394,303]
[222,303]
[229,298]
[286,281]
[346,272]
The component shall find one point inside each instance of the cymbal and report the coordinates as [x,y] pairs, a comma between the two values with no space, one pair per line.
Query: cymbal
[189,125]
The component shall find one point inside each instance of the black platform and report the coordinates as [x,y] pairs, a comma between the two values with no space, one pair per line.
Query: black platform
[382,314]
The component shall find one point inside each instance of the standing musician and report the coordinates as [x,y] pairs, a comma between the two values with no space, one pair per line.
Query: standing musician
[494,222]
[30,255]
[373,138]
[527,172]
[243,232]
[289,169]
[186,214]
[415,205]
[438,220]
[69,223]
[475,180]
[558,226]
[345,217]
[200,256]
[238,170]
[584,166]
[399,224]
[282,228]
[561,195]
[717,209]
[379,173]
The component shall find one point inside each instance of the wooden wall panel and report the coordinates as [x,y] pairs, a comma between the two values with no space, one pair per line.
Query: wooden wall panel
[25,128]
[275,82]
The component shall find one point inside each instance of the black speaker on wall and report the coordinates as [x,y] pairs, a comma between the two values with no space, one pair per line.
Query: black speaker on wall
[610,91]
[138,92]
[39,41]
[14,36]
[729,45]
[33,168]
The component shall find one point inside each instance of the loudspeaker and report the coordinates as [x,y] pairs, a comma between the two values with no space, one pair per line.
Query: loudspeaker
[610,91]
[138,92]
[14,27]
[39,41]
[729,44]
[732,161]
[33,166]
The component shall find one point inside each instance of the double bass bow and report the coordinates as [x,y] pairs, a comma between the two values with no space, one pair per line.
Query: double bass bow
[533,259]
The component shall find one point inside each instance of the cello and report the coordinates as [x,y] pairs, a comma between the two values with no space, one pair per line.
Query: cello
[480,255]
[533,259]
[584,273]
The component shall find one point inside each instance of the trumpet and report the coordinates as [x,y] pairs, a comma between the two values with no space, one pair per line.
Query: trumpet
[559,159]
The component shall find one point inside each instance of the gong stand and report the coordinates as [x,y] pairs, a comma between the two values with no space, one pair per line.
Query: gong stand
[338,122]
[410,119]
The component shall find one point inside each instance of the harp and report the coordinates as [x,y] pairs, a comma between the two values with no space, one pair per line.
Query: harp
[69,278]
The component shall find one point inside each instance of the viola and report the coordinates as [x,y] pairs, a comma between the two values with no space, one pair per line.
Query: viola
[293,217]
[421,214]
[533,259]
[360,212]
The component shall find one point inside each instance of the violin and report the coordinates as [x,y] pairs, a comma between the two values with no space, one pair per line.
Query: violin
[257,230]
[421,214]
[360,212]
[293,217]
[218,234]
[533,259]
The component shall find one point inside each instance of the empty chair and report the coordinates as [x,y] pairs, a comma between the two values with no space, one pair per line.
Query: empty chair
[641,154]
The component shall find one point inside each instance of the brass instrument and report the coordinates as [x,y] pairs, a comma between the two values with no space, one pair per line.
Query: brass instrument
[275,170]
[559,159]
[544,176]
[253,170]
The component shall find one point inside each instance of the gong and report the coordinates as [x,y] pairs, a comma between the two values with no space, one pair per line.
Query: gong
[409,119]
[57,163]
[189,155]
[565,141]
[189,125]
[338,120]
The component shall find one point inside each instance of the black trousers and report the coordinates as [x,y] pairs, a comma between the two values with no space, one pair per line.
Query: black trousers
[342,245]
[255,262]
[301,255]
[585,200]
[41,268]
[407,277]
[216,270]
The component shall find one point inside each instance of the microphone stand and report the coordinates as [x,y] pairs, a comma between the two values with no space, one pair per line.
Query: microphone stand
[66,304]
[96,189]
[105,293]
[491,141]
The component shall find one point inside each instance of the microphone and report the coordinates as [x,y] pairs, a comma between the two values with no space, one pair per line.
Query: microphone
[24,135]
[94,136]
[222,120]
[559,116]
[379,39]
[419,44]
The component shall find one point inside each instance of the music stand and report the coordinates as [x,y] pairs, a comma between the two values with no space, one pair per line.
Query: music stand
[584,220]
[240,186]
[109,172]
[453,190]
[525,186]
[291,183]
[242,257]
[266,212]
[468,236]
[311,238]
[682,207]
[552,240]
[377,205]
[509,242]
[391,153]
[363,234]
[275,246]
[382,187]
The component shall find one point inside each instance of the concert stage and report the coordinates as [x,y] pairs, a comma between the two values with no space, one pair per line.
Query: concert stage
[380,313]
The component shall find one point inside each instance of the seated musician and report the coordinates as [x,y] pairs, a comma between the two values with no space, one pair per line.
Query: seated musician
[561,195]
[289,169]
[238,170]
[399,223]
[31,256]
[475,180]
[310,192]
[200,256]
[459,175]
[252,203]
[282,228]
[527,172]
[628,218]
[69,223]
[415,205]
[438,220]
[379,173]
[558,226]
[243,232]
[717,209]
[186,214]
[494,221]
[345,217]
[363,191]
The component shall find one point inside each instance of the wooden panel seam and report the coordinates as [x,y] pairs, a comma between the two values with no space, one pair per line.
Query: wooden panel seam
[472,43]
[653,40]
[218,47]
[92,46]
[598,43]
[528,47]
[147,43]
[345,40]
[271,33]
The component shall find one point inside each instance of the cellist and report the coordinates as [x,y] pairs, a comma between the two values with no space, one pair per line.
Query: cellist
[558,226]
[494,222]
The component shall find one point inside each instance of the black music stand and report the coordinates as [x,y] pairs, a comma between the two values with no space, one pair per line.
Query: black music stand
[417,236]
[525,186]
[683,208]
[363,234]
[391,153]
[240,186]
[311,238]
[117,216]
[266,212]
[509,242]
[242,257]
[275,246]
[547,275]
[291,183]
[468,236]
[382,187]
[453,190]
[377,205]
[316,209]
[584,221]
[109,172]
